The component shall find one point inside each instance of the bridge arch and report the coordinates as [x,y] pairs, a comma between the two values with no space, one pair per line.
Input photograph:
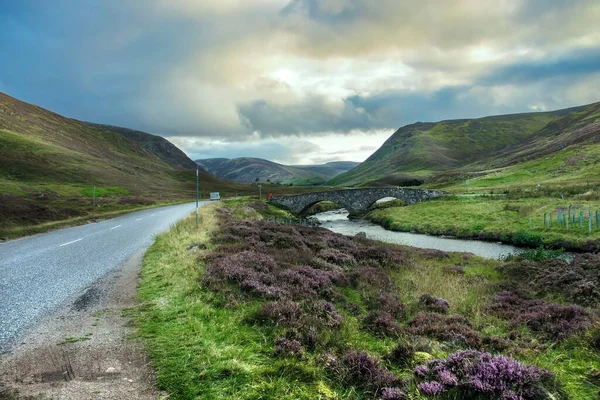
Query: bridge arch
[354,200]
[304,211]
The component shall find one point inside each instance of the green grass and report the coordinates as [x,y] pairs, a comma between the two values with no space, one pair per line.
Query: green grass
[103,191]
[519,222]
[205,345]
[201,348]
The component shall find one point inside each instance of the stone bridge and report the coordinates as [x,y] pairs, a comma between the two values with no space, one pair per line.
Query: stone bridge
[353,200]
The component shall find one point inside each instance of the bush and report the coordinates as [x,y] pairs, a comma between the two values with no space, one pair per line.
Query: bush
[285,312]
[455,329]
[362,370]
[435,304]
[390,303]
[402,355]
[550,321]
[578,281]
[527,239]
[470,374]
[381,323]
[287,348]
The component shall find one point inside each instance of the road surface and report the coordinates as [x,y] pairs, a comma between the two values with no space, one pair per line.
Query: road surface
[39,273]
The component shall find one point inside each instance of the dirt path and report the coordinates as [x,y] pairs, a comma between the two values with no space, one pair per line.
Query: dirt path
[84,350]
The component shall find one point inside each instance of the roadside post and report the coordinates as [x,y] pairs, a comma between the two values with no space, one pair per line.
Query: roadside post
[196,196]
[259,191]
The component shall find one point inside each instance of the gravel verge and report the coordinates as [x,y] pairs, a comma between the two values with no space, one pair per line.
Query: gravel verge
[86,349]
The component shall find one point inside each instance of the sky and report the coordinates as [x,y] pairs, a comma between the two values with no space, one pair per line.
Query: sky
[296,81]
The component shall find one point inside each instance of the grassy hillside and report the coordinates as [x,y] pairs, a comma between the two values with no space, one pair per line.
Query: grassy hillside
[50,164]
[562,159]
[426,151]
[248,170]
[157,146]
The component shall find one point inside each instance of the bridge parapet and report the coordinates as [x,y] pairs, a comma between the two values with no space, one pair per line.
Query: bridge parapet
[354,200]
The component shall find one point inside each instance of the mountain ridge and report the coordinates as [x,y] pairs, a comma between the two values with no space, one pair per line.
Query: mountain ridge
[420,151]
[249,169]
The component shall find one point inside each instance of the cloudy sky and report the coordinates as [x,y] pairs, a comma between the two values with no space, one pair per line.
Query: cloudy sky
[296,81]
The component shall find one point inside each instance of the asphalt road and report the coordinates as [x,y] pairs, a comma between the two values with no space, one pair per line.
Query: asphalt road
[39,273]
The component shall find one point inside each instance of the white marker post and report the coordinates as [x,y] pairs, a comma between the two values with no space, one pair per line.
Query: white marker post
[196,196]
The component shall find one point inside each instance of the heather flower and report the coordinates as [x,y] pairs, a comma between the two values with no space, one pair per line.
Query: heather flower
[287,348]
[390,303]
[435,304]
[392,393]
[473,372]
[402,354]
[430,388]
[382,324]
[285,312]
[455,328]
[447,378]
[551,321]
[363,370]
[421,371]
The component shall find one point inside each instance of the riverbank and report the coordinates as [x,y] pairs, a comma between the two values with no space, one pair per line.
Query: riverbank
[492,218]
[244,308]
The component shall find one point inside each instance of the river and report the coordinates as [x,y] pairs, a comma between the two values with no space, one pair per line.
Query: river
[337,221]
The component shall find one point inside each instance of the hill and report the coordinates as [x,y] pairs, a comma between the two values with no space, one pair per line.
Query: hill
[50,164]
[248,170]
[157,146]
[423,151]
[562,158]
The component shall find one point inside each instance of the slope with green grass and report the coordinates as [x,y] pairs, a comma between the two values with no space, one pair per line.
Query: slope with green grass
[451,150]
[50,164]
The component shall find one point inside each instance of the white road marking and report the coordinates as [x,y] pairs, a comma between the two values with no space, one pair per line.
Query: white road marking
[115,227]
[64,244]
[139,219]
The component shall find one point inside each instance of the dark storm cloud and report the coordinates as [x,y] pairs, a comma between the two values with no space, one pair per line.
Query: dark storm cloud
[578,64]
[312,115]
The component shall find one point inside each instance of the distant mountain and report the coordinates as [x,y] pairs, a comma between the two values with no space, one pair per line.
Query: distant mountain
[248,170]
[421,151]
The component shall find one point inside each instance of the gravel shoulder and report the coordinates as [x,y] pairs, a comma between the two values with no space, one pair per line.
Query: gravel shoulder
[86,349]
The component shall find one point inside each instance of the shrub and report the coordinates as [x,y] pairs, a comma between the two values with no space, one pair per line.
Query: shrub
[402,355]
[285,312]
[527,239]
[362,370]
[471,374]
[388,393]
[369,277]
[435,304]
[578,281]
[551,321]
[287,348]
[337,257]
[323,313]
[455,329]
[381,323]
[390,303]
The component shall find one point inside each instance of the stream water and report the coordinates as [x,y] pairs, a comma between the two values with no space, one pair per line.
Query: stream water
[337,221]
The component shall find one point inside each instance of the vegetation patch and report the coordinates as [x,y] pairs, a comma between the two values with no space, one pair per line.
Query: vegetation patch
[522,222]
[264,310]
